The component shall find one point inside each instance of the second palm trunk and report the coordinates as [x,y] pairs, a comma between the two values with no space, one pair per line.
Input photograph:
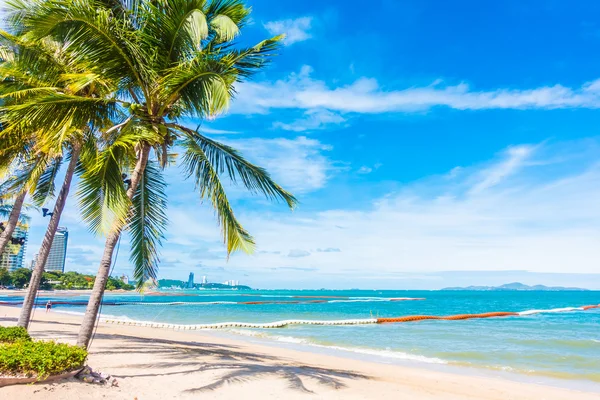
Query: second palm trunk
[38,270]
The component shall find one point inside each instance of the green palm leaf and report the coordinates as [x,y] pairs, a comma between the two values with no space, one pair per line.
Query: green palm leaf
[147,224]
[226,160]
[45,185]
[206,177]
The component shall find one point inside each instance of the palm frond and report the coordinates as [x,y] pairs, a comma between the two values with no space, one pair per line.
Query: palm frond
[102,195]
[147,224]
[226,160]
[45,185]
[206,178]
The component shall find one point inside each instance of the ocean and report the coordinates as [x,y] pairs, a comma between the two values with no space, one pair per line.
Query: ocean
[562,344]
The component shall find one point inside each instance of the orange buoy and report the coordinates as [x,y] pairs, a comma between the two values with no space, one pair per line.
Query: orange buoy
[412,318]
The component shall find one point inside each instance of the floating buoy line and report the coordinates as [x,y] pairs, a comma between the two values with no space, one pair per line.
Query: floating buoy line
[368,321]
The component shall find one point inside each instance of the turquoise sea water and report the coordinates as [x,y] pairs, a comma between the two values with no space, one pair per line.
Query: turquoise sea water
[562,345]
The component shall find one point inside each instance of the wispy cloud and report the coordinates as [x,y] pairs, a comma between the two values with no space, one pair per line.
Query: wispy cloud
[516,158]
[207,129]
[312,120]
[365,95]
[298,164]
[295,30]
[297,253]
[513,213]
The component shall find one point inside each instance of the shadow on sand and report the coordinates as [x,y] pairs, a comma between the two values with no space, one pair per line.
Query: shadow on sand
[230,364]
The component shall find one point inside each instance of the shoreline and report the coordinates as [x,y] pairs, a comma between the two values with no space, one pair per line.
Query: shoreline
[158,364]
[368,354]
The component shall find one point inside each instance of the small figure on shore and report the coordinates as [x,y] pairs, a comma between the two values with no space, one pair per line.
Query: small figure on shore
[48,305]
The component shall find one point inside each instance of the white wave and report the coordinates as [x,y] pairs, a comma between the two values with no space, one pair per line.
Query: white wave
[595,340]
[357,301]
[279,338]
[389,354]
[68,312]
[554,310]
[359,350]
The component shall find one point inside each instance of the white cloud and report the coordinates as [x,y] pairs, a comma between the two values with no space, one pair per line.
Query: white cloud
[313,120]
[516,158]
[514,213]
[297,253]
[206,129]
[295,30]
[365,95]
[365,170]
[297,164]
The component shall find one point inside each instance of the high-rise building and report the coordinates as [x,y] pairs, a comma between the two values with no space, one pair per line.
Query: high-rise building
[204,280]
[190,282]
[58,251]
[13,256]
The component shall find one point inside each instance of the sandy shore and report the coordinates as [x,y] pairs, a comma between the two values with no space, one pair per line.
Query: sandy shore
[161,364]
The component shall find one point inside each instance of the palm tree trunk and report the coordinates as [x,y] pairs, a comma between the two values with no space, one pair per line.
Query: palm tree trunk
[40,263]
[13,219]
[91,312]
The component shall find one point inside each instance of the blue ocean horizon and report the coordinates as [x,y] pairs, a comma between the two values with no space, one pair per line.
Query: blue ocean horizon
[563,345]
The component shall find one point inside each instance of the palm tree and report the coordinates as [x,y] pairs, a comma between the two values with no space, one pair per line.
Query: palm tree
[192,74]
[13,220]
[56,104]
[172,59]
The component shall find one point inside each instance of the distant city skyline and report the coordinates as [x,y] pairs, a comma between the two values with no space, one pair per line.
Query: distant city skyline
[10,259]
[58,251]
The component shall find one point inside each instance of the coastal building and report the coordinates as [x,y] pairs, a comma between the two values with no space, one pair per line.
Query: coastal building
[125,279]
[13,256]
[58,251]
[190,282]
[204,280]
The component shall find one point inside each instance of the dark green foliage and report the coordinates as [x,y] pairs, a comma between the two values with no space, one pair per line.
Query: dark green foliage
[40,359]
[54,280]
[147,224]
[20,277]
[11,334]
[5,277]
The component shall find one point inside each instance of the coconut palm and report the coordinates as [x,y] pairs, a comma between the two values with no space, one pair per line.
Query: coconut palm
[172,59]
[53,106]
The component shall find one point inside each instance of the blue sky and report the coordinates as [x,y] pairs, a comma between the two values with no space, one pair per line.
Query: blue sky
[430,144]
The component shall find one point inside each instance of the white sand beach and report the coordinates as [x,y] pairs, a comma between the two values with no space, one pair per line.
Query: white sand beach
[162,364]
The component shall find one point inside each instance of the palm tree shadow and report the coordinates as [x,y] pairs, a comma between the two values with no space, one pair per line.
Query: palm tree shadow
[295,376]
[238,366]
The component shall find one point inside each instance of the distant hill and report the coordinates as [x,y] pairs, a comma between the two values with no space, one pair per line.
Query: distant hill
[516,286]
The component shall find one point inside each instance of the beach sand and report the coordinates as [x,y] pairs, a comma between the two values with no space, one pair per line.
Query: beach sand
[161,364]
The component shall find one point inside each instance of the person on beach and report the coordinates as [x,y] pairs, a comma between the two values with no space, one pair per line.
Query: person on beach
[48,305]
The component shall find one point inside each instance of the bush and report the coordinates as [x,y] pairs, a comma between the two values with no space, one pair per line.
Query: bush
[40,359]
[13,334]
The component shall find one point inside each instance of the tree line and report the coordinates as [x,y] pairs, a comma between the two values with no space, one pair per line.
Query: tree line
[55,280]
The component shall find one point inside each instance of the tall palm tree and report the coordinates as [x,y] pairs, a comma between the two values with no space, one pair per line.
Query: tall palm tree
[172,59]
[192,74]
[59,104]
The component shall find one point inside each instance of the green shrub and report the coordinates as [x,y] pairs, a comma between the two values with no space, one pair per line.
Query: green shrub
[10,334]
[40,359]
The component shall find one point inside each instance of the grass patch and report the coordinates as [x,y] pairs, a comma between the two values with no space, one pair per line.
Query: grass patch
[40,359]
[11,334]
